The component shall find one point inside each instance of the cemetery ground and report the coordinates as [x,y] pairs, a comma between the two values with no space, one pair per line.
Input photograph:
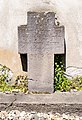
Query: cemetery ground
[16,103]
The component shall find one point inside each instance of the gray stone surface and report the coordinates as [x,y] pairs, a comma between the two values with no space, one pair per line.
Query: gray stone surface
[55,98]
[69,102]
[43,35]
[41,40]
[22,39]
[41,75]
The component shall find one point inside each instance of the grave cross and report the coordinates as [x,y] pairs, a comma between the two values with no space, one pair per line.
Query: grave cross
[41,39]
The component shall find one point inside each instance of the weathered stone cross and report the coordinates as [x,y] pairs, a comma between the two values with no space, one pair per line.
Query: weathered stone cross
[41,38]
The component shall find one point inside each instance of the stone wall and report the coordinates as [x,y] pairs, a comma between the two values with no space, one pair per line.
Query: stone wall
[14,14]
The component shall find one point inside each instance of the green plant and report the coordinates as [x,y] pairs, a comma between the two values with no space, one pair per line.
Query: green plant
[5,77]
[21,83]
[64,84]
[61,82]
[77,83]
[5,73]
[4,86]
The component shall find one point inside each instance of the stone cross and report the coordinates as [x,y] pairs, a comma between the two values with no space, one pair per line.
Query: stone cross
[41,39]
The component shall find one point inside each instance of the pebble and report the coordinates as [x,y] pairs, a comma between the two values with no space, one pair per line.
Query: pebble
[17,115]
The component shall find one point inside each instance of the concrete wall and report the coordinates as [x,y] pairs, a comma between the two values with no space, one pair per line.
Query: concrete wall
[14,13]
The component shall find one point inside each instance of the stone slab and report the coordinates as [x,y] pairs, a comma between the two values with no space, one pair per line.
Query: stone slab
[61,102]
[41,72]
[22,39]
[55,98]
[41,38]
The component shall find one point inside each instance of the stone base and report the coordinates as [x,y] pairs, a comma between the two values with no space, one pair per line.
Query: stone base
[60,102]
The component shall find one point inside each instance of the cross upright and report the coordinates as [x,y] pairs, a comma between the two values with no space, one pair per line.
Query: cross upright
[41,39]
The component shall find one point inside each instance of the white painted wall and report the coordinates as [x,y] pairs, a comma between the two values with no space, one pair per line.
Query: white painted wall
[14,13]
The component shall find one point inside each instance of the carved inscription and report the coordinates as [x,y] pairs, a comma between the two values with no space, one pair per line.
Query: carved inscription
[43,35]
[41,38]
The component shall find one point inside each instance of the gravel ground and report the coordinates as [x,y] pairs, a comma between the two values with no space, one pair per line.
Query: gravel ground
[17,115]
[19,106]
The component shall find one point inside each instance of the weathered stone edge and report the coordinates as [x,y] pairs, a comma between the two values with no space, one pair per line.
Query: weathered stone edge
[55,98]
